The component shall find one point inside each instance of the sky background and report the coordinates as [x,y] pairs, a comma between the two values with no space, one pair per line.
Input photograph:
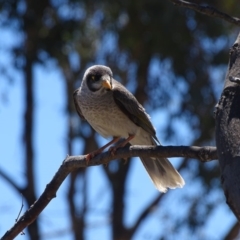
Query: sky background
[50,150]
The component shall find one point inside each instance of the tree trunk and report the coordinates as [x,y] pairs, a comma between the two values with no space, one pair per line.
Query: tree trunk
[29,191]
[228,131]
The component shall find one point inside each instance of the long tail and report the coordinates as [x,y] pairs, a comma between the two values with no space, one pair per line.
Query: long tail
[163,174]
[160,170]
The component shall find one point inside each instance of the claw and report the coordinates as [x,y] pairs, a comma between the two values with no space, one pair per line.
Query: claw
[120,145]
[112,150]
[90,155]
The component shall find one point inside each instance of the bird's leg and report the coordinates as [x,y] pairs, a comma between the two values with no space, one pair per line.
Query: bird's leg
[99,150]
[122,144]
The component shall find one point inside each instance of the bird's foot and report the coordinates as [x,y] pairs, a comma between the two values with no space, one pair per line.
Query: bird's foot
[100,150]
[120,145]
[113,150]
[89,156]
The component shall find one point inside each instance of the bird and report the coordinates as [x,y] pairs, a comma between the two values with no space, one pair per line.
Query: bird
[113,111]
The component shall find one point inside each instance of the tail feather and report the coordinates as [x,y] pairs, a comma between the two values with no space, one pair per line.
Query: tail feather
[160,170]
[162,173]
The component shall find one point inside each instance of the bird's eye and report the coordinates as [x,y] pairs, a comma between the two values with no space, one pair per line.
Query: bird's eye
[93,78]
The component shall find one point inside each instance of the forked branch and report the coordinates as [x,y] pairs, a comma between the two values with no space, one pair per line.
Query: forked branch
[71,163]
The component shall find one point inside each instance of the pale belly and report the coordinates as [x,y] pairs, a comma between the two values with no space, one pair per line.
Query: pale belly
[108,120]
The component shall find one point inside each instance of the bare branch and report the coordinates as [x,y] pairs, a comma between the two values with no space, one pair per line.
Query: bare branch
[22,205]
[150,208]
[31,214]
[204,154]
[146,211]
[71,163]
[207,10]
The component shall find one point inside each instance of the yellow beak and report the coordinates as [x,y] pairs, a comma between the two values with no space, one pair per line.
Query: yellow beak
[106,84]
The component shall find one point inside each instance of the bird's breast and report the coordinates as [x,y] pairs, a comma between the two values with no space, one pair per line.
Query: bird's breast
[105,116]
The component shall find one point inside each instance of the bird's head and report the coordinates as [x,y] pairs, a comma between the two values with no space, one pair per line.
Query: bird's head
[98,77]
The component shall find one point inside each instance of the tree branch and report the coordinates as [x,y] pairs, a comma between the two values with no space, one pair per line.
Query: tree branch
[145,212]
[71,163]
[207,10]
[151,207]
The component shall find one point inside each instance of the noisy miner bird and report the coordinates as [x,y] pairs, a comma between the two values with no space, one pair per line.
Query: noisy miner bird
[113,111]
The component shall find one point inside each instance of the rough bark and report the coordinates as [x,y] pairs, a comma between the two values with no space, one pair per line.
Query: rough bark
[228,131]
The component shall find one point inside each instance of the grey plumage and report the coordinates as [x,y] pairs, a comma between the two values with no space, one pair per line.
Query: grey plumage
[113,111]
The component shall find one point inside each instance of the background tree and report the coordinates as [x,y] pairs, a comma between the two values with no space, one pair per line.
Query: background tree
[172,59]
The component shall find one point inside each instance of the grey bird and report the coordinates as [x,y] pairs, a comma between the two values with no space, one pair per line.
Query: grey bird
[113,111]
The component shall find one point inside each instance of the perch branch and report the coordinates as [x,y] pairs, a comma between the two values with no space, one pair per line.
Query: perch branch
[71,163]
[207,10]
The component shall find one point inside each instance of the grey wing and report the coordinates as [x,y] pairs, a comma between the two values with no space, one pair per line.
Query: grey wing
[75,100]
[132,108]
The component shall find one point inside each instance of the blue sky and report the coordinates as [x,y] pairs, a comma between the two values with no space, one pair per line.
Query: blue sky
[50,150]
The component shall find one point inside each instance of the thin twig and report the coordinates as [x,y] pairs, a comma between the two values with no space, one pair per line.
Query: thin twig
[22,205]
[20,210]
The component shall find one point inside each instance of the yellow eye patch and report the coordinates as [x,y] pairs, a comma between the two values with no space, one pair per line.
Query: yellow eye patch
[93,78]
